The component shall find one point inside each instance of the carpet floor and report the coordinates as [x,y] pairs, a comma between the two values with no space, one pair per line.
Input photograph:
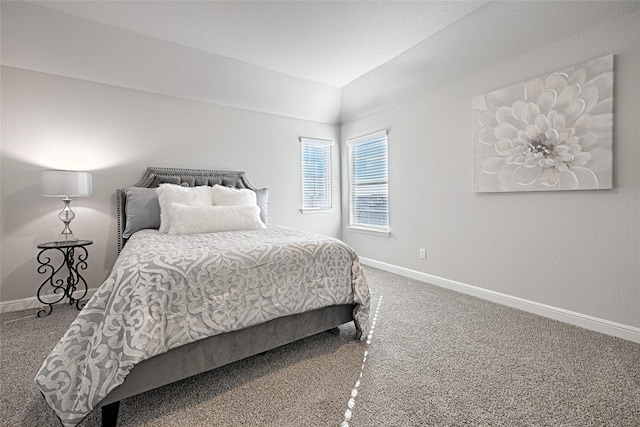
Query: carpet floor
[434,358]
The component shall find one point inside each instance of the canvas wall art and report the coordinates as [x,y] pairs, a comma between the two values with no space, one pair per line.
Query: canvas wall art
[553,132]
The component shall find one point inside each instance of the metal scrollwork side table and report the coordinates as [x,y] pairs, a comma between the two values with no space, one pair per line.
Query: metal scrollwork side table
[63,287]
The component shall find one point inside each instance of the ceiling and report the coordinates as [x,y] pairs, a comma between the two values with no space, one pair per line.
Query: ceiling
[332,42]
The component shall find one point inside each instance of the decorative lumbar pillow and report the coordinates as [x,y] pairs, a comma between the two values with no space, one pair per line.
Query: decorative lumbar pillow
[186,219]
[142,210]
[229,196]
[171,193]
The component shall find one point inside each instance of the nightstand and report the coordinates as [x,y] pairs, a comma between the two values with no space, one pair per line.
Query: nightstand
[73,286]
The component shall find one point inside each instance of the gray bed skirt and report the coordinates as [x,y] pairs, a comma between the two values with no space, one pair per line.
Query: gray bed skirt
[219,350]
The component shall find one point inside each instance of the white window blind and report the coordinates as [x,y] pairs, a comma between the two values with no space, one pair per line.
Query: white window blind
[316,173]
[369,182]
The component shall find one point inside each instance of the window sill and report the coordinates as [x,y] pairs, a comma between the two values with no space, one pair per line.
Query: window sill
[317,211]
[375,231]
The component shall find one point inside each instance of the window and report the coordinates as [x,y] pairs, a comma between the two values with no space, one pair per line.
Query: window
[316,174]
[368,182]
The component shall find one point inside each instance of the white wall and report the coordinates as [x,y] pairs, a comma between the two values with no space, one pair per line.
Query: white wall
[57,122]
[115,124]
[577,251]
[41,39]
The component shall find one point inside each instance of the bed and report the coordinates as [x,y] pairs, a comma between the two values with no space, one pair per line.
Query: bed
[182,301]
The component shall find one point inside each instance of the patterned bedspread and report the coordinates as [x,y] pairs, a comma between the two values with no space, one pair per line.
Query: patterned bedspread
[166,291]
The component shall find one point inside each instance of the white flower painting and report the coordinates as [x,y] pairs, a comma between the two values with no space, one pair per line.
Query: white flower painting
[549,133]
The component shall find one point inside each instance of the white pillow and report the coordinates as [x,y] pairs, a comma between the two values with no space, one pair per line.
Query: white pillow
[228,196]
[186,219]
[172,193]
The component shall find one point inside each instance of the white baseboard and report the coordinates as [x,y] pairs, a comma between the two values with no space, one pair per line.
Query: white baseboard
[31,303]
[582,320]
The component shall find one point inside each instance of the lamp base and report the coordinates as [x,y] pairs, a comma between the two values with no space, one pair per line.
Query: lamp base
[66,238]
[66,216]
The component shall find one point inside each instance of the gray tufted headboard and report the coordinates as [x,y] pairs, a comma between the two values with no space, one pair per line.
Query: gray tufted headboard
[155,176]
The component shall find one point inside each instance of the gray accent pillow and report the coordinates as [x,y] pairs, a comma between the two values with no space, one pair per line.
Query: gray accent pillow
[142,210]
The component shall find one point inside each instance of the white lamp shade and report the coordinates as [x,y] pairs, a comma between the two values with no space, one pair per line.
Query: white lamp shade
[66,183]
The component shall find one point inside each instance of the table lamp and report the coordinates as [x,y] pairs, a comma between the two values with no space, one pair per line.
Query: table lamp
[66,184]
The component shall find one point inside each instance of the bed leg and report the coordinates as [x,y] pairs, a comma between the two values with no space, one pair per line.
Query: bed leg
[110,414]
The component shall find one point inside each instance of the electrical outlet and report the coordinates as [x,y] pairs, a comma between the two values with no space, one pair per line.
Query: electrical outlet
[423,253]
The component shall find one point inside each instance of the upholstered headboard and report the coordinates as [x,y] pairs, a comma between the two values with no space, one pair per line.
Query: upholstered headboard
[155,176]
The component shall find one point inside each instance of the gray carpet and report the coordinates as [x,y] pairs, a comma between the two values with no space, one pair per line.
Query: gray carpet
[435,358]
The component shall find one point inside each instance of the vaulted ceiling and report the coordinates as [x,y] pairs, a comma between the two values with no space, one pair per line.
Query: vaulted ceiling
[332,42]
[327,61]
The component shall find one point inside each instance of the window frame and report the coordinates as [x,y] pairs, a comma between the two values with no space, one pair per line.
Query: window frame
[374,137]
[327,171]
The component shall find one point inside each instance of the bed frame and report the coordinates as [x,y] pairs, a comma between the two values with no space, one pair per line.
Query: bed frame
[219,350]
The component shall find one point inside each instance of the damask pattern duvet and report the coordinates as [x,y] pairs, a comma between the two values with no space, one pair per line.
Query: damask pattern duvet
[165,291]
